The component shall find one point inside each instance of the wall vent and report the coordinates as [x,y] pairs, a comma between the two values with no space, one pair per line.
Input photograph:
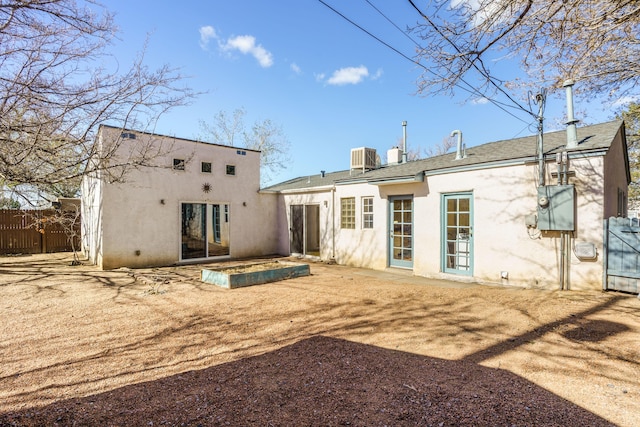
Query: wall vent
[363,158]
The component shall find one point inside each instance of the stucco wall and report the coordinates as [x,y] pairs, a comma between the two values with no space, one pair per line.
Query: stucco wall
[502,198]
[91,231]
[324,201]
[141,218]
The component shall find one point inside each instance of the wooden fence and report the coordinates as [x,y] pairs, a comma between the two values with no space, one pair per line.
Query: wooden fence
[36,231]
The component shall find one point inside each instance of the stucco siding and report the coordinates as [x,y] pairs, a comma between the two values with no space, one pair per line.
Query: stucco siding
[324,202]
[502,244]
[509,244]
[91,231]
[141,216]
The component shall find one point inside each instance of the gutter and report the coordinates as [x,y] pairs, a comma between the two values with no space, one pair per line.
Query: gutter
[514,162]
[419,177]
[305,190]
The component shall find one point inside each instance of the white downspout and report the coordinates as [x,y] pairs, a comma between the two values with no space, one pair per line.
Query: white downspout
[333,223]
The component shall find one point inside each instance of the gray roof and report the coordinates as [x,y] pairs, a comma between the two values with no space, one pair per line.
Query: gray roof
[590,138]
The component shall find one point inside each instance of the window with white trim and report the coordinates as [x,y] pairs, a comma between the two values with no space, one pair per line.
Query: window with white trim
[367,212]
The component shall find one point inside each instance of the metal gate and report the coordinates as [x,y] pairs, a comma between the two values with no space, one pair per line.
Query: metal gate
[622,254]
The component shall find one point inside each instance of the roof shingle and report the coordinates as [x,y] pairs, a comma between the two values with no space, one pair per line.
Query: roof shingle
[594,137]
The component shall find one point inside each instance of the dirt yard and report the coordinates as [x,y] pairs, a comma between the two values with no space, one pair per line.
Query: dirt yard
[343,346]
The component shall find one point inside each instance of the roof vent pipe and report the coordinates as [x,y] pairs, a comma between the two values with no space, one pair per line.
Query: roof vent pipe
[404,141]
[572,133]
[459,154]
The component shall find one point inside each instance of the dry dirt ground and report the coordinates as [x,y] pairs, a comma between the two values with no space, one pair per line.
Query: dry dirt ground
[343,346]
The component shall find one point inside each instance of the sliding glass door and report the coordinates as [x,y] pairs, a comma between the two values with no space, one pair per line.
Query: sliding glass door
[205,230]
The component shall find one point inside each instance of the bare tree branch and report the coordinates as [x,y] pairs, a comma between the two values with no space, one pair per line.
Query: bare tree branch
[594,42]
[55,90]
[264,136]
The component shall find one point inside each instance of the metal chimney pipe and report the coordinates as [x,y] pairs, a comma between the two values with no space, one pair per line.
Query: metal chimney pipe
[572,133]
[404,141]
[459,154]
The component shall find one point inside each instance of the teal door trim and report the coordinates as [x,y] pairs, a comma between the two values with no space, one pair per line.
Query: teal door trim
[457,233]
[401,231]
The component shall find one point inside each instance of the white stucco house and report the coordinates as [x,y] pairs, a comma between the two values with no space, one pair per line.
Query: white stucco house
[499,212]
[494,213]
[194,201]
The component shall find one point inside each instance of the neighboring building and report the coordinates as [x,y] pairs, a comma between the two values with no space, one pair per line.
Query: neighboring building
[484,214]
[194,202]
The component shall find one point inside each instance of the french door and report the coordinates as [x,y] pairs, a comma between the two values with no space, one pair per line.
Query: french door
[401,231]
[457,233]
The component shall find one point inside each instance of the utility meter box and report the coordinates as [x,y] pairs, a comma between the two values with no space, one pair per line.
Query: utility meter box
[556,208]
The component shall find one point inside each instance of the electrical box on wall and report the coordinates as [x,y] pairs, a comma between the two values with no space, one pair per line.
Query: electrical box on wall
[556,208]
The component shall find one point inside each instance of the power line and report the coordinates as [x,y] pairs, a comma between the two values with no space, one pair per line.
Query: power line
[472,63]
[392,23]
[472,90]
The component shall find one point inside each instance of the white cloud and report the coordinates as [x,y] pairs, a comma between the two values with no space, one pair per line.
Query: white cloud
[247,45]
[348,75]
[480,101]
[295,68]
[378,74]
[207,33]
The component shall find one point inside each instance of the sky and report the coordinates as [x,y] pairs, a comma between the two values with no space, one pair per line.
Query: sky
[329,85]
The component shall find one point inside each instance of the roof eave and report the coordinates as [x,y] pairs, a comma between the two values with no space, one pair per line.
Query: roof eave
[410,179]
[318,189]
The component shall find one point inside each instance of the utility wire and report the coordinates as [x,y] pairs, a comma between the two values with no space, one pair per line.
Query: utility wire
[475,91]
[472,90]
[392,23]
[472,63]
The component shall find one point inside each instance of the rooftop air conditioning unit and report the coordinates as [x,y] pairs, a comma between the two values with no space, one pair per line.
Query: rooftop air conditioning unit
[363,158]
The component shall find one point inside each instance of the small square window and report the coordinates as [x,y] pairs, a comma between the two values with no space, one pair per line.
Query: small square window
[178,164]
[231,170]
[206,167]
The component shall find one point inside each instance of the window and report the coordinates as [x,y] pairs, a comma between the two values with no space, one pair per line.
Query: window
[367,212]
[348,212]
[231,170]
[206,167]
[178,164]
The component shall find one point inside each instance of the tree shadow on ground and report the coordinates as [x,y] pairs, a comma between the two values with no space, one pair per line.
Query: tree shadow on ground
[323,381]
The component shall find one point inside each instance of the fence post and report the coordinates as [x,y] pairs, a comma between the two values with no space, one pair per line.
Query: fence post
[605,255]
